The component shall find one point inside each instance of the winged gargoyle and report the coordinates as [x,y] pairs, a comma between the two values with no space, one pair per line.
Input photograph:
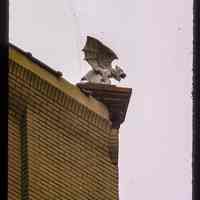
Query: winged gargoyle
[100,58]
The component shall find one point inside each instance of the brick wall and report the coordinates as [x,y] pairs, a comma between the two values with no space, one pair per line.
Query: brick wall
[59,147]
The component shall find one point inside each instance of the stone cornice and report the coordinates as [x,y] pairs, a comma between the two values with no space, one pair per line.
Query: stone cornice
[115,98]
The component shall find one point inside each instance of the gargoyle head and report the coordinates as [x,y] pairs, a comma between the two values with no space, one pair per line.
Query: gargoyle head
[118,73]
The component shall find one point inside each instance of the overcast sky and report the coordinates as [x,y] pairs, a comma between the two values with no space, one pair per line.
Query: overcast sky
[153,40]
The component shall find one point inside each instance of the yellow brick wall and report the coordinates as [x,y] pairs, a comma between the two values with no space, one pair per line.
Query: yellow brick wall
[59,147]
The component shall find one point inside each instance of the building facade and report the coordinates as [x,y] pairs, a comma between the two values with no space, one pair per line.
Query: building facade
[62,141]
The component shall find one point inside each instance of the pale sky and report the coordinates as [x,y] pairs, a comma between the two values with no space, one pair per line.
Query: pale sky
[153,40]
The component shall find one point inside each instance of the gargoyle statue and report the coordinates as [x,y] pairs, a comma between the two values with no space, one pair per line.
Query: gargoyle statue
[100,58]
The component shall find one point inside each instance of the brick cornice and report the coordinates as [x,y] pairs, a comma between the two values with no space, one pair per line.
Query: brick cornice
[58,96]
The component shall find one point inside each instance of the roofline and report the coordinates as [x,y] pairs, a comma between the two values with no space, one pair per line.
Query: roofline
[52,77]
[58,74]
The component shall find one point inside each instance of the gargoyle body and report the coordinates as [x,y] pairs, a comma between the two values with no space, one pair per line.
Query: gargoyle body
[100,58]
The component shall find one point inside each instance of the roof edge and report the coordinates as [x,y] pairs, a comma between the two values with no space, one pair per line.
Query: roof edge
[48,74]
[58,74]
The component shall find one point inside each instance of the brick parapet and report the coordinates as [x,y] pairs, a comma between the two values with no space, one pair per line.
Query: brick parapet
[28,63]
[56,95]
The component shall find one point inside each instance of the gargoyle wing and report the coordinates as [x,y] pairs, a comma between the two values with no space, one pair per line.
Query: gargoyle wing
[97,54]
